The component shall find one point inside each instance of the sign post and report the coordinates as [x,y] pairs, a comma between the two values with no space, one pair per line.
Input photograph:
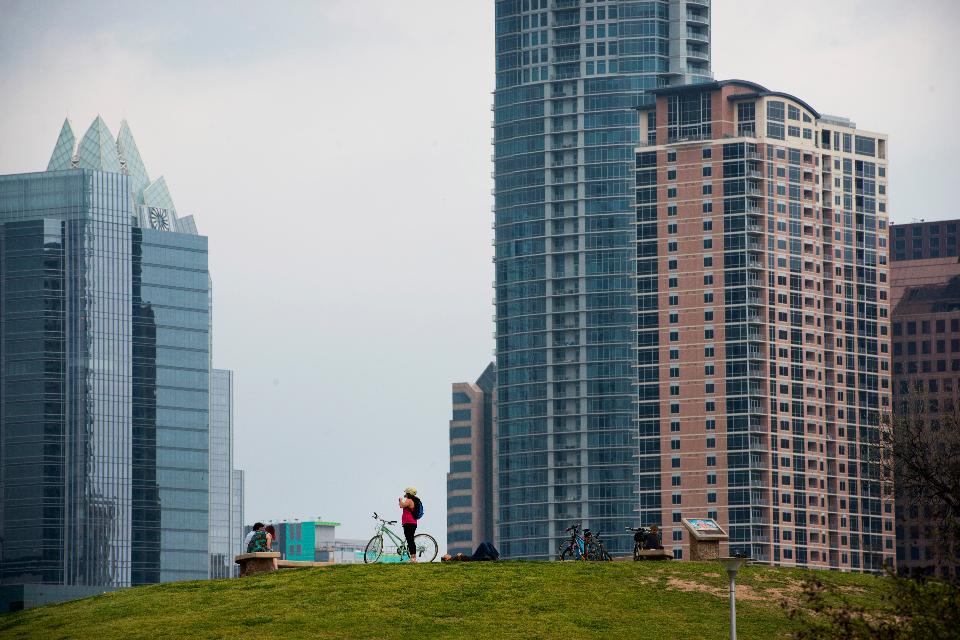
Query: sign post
[705,538]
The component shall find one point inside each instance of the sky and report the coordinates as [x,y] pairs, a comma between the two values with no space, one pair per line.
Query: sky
[337,154]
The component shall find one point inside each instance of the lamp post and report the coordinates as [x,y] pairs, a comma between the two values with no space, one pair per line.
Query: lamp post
[732,565]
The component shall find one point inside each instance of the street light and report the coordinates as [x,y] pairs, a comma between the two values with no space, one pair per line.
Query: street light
[732,565]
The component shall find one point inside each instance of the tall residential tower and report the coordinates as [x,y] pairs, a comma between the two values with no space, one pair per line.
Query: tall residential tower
[569,77]
[763,345]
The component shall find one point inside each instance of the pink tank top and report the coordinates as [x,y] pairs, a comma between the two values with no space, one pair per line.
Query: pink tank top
[408,517]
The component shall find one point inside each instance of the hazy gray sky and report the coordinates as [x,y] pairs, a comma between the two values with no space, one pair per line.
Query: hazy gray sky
[337,154]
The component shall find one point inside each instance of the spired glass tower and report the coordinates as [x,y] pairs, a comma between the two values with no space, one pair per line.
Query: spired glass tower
[105,379]
[570,75]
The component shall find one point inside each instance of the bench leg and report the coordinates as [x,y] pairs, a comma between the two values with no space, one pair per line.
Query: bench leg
[257,565]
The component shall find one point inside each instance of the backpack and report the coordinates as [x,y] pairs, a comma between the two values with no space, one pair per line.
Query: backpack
[417,507]
[258,543]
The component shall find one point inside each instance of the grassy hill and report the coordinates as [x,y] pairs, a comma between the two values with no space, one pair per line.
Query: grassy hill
[570,600]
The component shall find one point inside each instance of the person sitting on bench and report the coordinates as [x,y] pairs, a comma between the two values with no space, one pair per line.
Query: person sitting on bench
[652,540]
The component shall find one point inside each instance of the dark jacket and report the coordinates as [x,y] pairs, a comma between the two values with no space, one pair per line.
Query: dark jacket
[652,541]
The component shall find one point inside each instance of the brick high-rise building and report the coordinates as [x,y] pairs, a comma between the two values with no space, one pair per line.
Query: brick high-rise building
[763,346]
[925,303]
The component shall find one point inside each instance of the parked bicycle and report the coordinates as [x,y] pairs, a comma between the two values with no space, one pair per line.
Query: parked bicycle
[595,549]
[396,545]
[582,545]
[572,549]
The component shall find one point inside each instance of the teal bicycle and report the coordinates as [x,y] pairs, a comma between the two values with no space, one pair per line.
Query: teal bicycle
[427,548]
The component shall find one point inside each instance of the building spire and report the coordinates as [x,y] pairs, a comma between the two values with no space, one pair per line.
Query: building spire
[63,151]
[98,149]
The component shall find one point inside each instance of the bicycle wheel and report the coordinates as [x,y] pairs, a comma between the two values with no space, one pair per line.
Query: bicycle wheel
[374,550]
[569,551]
[427,547]
[590,550]
[604,555]
[595,551]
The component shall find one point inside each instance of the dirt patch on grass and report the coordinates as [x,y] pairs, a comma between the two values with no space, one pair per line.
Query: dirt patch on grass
[690,585]
[787,593]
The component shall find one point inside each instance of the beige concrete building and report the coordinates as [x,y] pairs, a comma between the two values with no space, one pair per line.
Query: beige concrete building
[763,342]
[471,482]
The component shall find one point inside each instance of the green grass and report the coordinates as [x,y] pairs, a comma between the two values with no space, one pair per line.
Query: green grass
[572,600]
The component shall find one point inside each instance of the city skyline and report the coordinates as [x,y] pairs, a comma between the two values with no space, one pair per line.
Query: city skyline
[233,140]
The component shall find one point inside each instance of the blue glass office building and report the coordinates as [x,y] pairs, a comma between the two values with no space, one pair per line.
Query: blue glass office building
[570,75]
[104,398]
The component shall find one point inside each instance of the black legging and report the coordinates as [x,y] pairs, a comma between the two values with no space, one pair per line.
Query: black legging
[408,531]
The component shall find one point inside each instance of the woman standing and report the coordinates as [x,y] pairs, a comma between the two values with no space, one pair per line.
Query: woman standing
[410,504]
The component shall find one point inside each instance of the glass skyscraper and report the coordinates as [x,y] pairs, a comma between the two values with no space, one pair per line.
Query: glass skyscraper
[226,483]
[104,397]
[570,75]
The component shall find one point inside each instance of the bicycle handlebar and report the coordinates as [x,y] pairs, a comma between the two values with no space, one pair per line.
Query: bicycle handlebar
[376,516]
